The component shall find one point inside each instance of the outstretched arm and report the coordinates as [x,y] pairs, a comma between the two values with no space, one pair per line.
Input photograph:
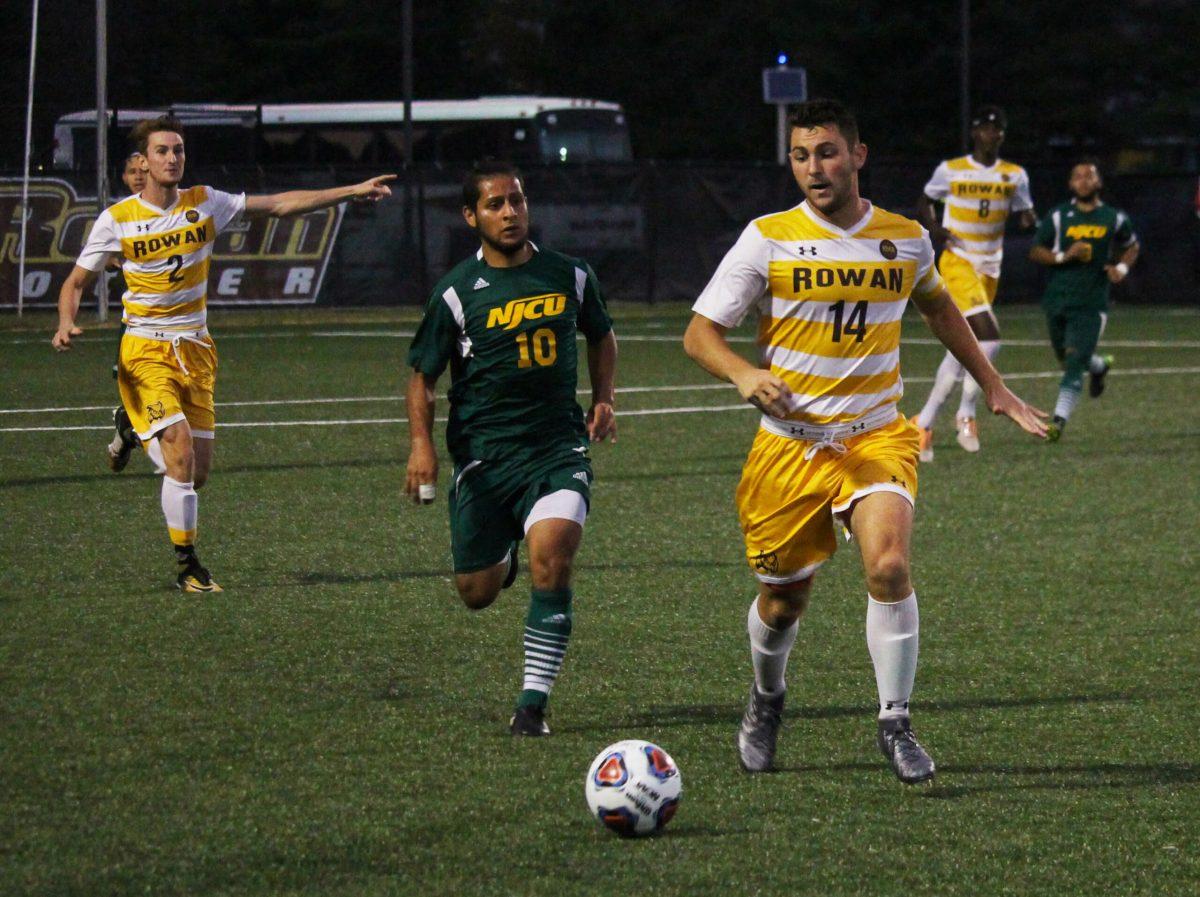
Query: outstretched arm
[422,458]
[297,202]
[69,298]
[949,326]
[704,341]
[602,367]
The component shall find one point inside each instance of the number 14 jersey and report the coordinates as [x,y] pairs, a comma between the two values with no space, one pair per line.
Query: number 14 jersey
[508,336]
[829,302]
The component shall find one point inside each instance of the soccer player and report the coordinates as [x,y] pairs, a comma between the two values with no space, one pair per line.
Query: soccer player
[1078,241]
[979,191]
[830,279]
[167,365]
[133,176]
[505,321]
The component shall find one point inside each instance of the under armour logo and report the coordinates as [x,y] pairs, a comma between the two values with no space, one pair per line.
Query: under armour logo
[806,250]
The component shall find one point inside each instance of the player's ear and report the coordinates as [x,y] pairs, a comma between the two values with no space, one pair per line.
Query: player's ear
[859,153]
[469,216]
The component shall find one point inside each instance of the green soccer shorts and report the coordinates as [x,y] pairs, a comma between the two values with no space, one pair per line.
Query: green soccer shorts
[490,500]
[1075,331]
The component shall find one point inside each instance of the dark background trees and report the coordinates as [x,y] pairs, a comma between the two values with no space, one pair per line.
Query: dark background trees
[1115,72]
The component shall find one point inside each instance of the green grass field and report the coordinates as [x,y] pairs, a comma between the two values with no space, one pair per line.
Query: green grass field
[335,722]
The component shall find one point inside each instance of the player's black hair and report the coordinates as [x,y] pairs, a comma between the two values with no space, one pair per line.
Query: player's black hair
[481,171]
[989,113]
[815,113]
[1088,160]
[140,135]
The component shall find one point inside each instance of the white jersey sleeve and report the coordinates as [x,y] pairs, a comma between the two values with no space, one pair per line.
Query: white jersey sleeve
[1023,198]
[928,279]
[938,187]
[226,207]
[101,243]
[739,281]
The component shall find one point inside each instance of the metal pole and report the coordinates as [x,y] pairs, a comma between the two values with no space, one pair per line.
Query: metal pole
[964,76]
[101,140]
[410,254]
[781,135]
[28,152]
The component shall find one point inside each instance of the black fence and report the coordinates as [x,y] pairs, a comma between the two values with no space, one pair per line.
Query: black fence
[653,231]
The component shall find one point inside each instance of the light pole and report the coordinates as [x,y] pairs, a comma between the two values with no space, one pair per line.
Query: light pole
[783,85]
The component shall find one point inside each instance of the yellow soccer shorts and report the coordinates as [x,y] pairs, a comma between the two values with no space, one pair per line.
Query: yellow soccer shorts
[971,291]
[161,383]
[787,505]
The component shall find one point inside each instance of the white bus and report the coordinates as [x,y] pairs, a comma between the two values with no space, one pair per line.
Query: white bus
[522,129]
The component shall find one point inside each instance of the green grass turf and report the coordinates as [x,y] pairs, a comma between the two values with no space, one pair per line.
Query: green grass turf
[335,722]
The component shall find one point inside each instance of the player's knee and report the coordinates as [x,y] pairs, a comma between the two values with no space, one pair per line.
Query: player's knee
[552,571]
[888,576]
[784,603]
[475,594]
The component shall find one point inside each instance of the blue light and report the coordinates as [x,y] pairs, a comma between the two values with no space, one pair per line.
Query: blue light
[782,59]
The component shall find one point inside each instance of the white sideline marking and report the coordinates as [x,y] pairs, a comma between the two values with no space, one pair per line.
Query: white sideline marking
[641,412]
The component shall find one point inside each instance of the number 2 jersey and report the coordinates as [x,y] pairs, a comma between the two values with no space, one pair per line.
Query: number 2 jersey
[167,254]
[508,336]
[829,303]
[978,200]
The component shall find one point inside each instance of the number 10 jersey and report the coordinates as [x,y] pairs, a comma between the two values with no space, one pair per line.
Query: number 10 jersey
[829,302]
[508,336]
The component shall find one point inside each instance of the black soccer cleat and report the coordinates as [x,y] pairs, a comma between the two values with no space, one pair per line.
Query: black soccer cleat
[1096,381]
[529,721]
[123,443]
[193,576]
[513,567]
[1054,429]
[909,761]
[759,729]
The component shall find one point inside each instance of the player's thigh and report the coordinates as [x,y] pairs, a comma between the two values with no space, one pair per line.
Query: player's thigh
[199,385]
[963,283]
[1056,328]
[784,507]
[483,526]
[1082,332]
[150,384]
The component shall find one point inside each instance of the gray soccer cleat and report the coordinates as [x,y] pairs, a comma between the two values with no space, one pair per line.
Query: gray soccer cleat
[759,729]
[909,761]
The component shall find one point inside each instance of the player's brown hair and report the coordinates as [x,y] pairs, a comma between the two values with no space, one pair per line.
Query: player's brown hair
[481,171]
[140,135]
[816,113]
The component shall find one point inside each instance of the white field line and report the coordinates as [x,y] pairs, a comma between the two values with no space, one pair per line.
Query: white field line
[635,338]
[623,390]
[640,412]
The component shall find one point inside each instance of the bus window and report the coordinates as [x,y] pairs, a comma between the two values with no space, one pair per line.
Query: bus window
[583,136]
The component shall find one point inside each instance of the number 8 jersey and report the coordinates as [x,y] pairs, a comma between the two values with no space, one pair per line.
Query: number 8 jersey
[829,302]
[508,336]
[167,254]
[978,200]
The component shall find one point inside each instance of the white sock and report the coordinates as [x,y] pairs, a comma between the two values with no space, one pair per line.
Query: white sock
[948,373]
[180,507]
[892,640]
[1067,400]
[971,390]
[1096,365]
[769,650]
[154,453]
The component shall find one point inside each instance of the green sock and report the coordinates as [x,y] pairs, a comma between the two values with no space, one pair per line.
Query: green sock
[547,631]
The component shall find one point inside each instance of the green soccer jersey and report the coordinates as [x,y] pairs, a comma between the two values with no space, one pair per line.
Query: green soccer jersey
[1082,285]
[508,335]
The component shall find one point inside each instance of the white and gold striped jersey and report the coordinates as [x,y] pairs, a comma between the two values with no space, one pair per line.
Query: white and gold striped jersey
[166,252]
[978,200]
[830,303]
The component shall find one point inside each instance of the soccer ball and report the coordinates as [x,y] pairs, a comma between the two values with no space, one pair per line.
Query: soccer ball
[633,787]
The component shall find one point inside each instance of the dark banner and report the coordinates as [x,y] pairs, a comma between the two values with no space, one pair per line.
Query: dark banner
[260,262]
[653,232]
